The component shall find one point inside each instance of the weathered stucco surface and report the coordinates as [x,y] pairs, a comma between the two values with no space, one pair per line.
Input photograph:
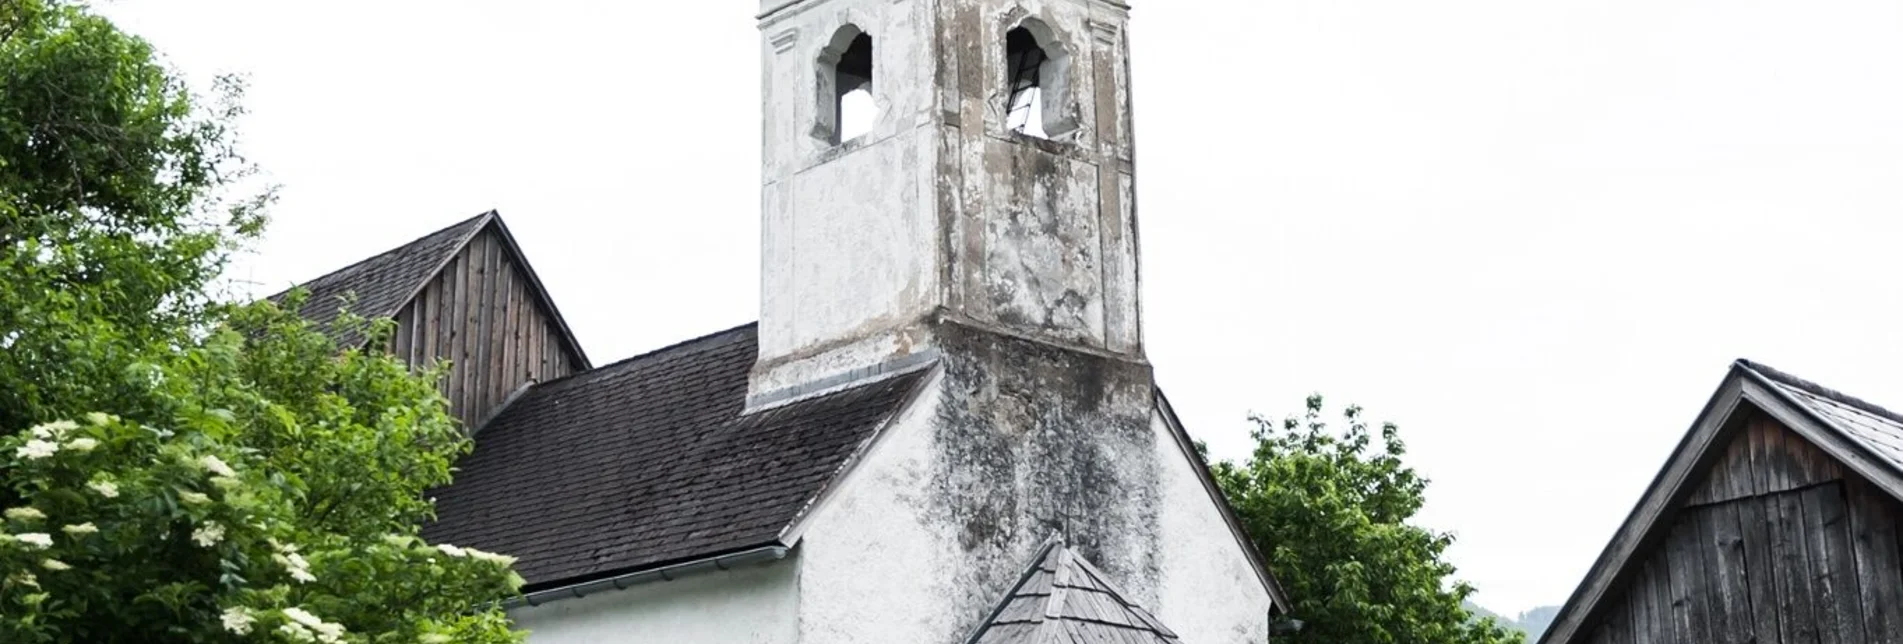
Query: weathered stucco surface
[1208,590]
[754,605]
[940,210]
[1013,443]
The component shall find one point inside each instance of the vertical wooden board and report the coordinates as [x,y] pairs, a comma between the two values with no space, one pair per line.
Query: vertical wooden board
[1738,460]
[400,340]
[1833,569]
[535,352]
[1664,617]
[1727,596]
[524,316]
[449,337]
[1658,582]
[485,382]
[471,320]
[1616,629]
[1879,570]
[427,339]
[1633,611]
[505,332]
[1797,616]
[1757,521]
[1774,462]
[1638,600]
[1759,450]
[1690,612]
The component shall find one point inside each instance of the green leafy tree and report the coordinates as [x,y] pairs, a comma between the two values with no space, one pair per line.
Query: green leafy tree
[173,469]
[1329,511]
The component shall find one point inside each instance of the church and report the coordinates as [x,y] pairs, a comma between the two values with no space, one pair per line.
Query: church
[943,428]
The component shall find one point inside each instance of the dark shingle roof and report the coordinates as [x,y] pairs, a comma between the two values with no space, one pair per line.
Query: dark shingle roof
[650,461]
[383,284]
[1062,598]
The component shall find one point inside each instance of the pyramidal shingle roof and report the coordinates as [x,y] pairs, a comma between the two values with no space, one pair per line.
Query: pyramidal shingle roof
[1061,598]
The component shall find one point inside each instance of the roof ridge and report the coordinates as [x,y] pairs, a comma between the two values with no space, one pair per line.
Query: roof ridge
[723,336]
[387,252]
[1810,387]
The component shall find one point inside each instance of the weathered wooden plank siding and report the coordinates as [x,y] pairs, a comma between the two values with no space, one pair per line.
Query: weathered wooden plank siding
[1777,545]
[1765,459]
[481,315]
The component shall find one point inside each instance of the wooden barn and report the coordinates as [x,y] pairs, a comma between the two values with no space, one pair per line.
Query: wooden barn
[1774,521]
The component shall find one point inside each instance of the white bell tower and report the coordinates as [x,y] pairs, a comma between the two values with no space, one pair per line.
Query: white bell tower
[942,162]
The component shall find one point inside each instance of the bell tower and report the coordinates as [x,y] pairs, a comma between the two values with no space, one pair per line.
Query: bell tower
[938,167]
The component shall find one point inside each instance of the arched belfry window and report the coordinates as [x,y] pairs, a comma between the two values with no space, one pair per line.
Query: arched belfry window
[1037,67]
[847,109]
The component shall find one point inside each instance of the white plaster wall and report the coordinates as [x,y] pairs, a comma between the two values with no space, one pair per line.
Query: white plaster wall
[871,568]
[755,605]
[1209,593]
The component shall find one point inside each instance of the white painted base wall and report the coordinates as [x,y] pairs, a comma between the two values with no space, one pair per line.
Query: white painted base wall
[744,606]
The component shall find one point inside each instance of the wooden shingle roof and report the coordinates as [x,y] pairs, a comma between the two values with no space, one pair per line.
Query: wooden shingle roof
[1063,599]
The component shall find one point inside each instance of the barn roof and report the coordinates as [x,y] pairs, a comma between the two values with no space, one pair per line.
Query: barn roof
[650,462]
[1062,598]
[380,286]
[1865,438]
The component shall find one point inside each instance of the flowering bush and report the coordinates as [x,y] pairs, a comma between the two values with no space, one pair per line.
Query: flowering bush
[124,528]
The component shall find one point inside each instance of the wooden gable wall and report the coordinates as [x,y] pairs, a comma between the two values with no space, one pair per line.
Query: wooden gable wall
[483,314]
[1778,544]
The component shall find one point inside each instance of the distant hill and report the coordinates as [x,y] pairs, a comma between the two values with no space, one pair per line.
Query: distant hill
[1533,622]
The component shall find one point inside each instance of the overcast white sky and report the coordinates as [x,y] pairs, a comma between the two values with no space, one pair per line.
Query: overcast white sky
[1534,233]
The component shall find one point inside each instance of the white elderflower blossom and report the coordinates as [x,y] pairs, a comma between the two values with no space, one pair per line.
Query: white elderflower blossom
[37,449]
[502,560]
[80,529]
[26,513]
[295,564]
[98,418]
[216,465]
[208,535]
[193,498]
[39,540]
[53,430]
[82,445]
[311,627]
[105,488]
[55,565]
[297,632]
[25,579]
[238,620]
[452,551]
